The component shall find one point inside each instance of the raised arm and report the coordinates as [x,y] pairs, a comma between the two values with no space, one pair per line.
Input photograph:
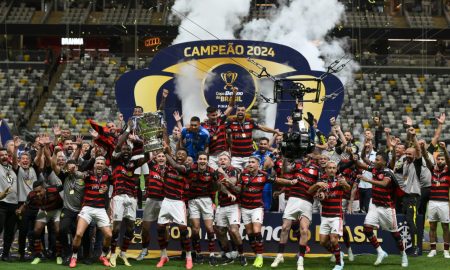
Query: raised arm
[426,157]
[123,137]
[178,117]
[172,162]
[79,143]
[232,102]
[438,131]
[15,162]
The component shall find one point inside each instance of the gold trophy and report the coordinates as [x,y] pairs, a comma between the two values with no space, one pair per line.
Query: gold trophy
[229,78]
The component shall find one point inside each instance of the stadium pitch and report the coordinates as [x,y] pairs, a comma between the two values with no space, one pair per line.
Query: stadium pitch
[361,262]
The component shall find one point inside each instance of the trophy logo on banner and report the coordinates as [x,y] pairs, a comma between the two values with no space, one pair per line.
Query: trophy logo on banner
[149,127]
[229,78]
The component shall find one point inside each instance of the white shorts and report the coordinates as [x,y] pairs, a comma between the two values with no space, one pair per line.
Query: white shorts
[239,162]
[172,211]
[252,215]
[228,215]
[47,216]
[438,212]
[331,225]
[98,215]
[383,217]
[201,207]
[355,205]
[151,209]
[213,162]
[297,208]
[282,202]
[123,206]
[143,169]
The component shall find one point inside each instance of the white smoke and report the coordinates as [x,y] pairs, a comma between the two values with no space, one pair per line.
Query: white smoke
[187,88]
[266,111]
[198,17]
[220,18]
[301,24]
[304,25]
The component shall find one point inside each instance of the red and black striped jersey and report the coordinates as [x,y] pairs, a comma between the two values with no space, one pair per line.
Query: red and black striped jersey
[124,181]
[175,183]
[332,204]
[33,202]
[306,175]
[440,183]
[105,139]
[288,174]
[96,189]
[252,186]
[223,197]
[240,136]
[382,196]
[217,135]
[154,181]
[201,182]
[52,200]
[349,173]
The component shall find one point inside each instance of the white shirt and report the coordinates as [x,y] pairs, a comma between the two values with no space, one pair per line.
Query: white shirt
[362,184]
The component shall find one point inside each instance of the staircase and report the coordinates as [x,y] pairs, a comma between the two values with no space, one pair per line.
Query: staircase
[55,78]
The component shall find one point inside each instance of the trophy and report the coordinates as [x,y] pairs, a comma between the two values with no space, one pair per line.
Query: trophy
[149,127]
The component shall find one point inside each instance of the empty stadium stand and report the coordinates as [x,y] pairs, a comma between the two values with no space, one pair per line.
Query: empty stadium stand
[84,90]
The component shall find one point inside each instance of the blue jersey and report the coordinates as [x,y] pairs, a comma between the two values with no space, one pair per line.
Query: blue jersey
[195,141]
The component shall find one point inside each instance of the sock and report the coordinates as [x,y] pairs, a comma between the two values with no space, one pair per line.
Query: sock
[446,246]
[162,238]
[258,244]
[368,231]
[281,247]
[185,239]
[114,242]
[433,246]
[125,244]
[122,253]
[196,243]
[337,253]
[105,251]
[188,255]
[251,239]
[301,250]
[144,250]
[75,255]
[258,255]
[163,252]
[211,242]
[37,247]
[240,249]
[399,240]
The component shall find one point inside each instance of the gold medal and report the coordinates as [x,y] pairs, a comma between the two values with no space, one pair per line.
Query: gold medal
[28,182]
[214,137]
[438,183]
[243,135]
[130,174]
[71,192]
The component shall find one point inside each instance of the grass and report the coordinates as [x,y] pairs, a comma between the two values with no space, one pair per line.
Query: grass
[361,262]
